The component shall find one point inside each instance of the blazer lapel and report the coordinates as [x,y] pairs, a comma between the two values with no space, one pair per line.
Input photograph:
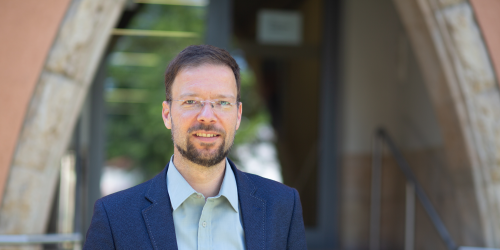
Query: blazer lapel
[158,216]
[253,211]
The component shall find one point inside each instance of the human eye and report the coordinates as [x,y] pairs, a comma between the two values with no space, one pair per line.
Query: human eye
[189,102]
[224,103]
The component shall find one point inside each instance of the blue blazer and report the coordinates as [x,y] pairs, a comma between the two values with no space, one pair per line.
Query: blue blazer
[141,217]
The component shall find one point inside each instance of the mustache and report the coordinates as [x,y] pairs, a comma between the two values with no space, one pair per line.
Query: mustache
[206,128]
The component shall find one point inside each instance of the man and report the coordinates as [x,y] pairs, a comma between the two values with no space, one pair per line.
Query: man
[200,200]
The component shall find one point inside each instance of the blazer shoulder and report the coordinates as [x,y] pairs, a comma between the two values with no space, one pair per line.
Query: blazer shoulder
[262,181]
[267,188]
[126,198]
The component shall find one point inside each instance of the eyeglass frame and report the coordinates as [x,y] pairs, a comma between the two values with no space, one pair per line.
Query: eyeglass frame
[212,102]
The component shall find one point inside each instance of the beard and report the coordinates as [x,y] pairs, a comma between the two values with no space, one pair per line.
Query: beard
[204,159]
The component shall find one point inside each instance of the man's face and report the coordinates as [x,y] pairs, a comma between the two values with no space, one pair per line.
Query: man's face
[203,136]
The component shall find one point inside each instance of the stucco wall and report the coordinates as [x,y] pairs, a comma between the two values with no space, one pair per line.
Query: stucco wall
[28,28]
[383,85]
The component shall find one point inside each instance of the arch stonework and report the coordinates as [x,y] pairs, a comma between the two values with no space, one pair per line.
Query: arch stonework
[52,112]
[461,81]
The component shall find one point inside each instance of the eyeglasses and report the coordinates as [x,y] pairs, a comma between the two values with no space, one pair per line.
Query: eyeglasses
[197,105]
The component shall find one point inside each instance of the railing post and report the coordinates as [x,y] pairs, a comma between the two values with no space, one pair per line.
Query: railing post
[376,193]
[410,217]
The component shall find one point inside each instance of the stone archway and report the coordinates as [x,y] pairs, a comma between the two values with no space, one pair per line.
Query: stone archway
[52,112]
[461,81]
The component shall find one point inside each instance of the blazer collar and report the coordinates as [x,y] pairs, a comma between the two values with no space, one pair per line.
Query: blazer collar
[160,222]
[158,216]
[253,210]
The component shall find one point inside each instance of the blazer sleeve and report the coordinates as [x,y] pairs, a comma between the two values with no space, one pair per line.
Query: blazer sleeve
[297,233]
[99,235]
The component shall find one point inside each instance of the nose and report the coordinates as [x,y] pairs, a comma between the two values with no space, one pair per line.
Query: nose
[207,114]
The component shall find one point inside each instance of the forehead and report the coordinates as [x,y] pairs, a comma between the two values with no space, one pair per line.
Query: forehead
[205,80]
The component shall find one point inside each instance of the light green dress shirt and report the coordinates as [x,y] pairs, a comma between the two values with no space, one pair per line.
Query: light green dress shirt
[214,224]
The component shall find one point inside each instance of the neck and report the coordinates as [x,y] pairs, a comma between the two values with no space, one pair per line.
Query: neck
[205,180]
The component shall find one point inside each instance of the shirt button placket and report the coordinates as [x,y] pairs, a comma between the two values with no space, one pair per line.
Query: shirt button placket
[205,220]
[203,230]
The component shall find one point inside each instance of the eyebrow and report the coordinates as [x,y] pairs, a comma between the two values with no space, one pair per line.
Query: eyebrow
[224,96]
[217,96]
[188,95]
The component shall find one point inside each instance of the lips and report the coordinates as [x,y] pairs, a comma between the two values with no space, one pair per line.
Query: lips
[202,130]
[206,138]
[206,135]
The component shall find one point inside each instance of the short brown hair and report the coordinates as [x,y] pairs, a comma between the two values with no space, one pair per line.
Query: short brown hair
[196,55]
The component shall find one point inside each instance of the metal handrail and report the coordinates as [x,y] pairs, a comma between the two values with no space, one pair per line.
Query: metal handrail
[410,177]
[382,136]
[24,239]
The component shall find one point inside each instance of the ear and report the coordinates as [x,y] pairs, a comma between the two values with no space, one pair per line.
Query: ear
[165,114]
[240,112]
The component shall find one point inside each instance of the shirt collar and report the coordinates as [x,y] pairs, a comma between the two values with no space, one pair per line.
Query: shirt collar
[229,188]
[179,189]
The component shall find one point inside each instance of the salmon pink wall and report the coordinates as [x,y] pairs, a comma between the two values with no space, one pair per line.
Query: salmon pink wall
[488,17]
[27,30]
